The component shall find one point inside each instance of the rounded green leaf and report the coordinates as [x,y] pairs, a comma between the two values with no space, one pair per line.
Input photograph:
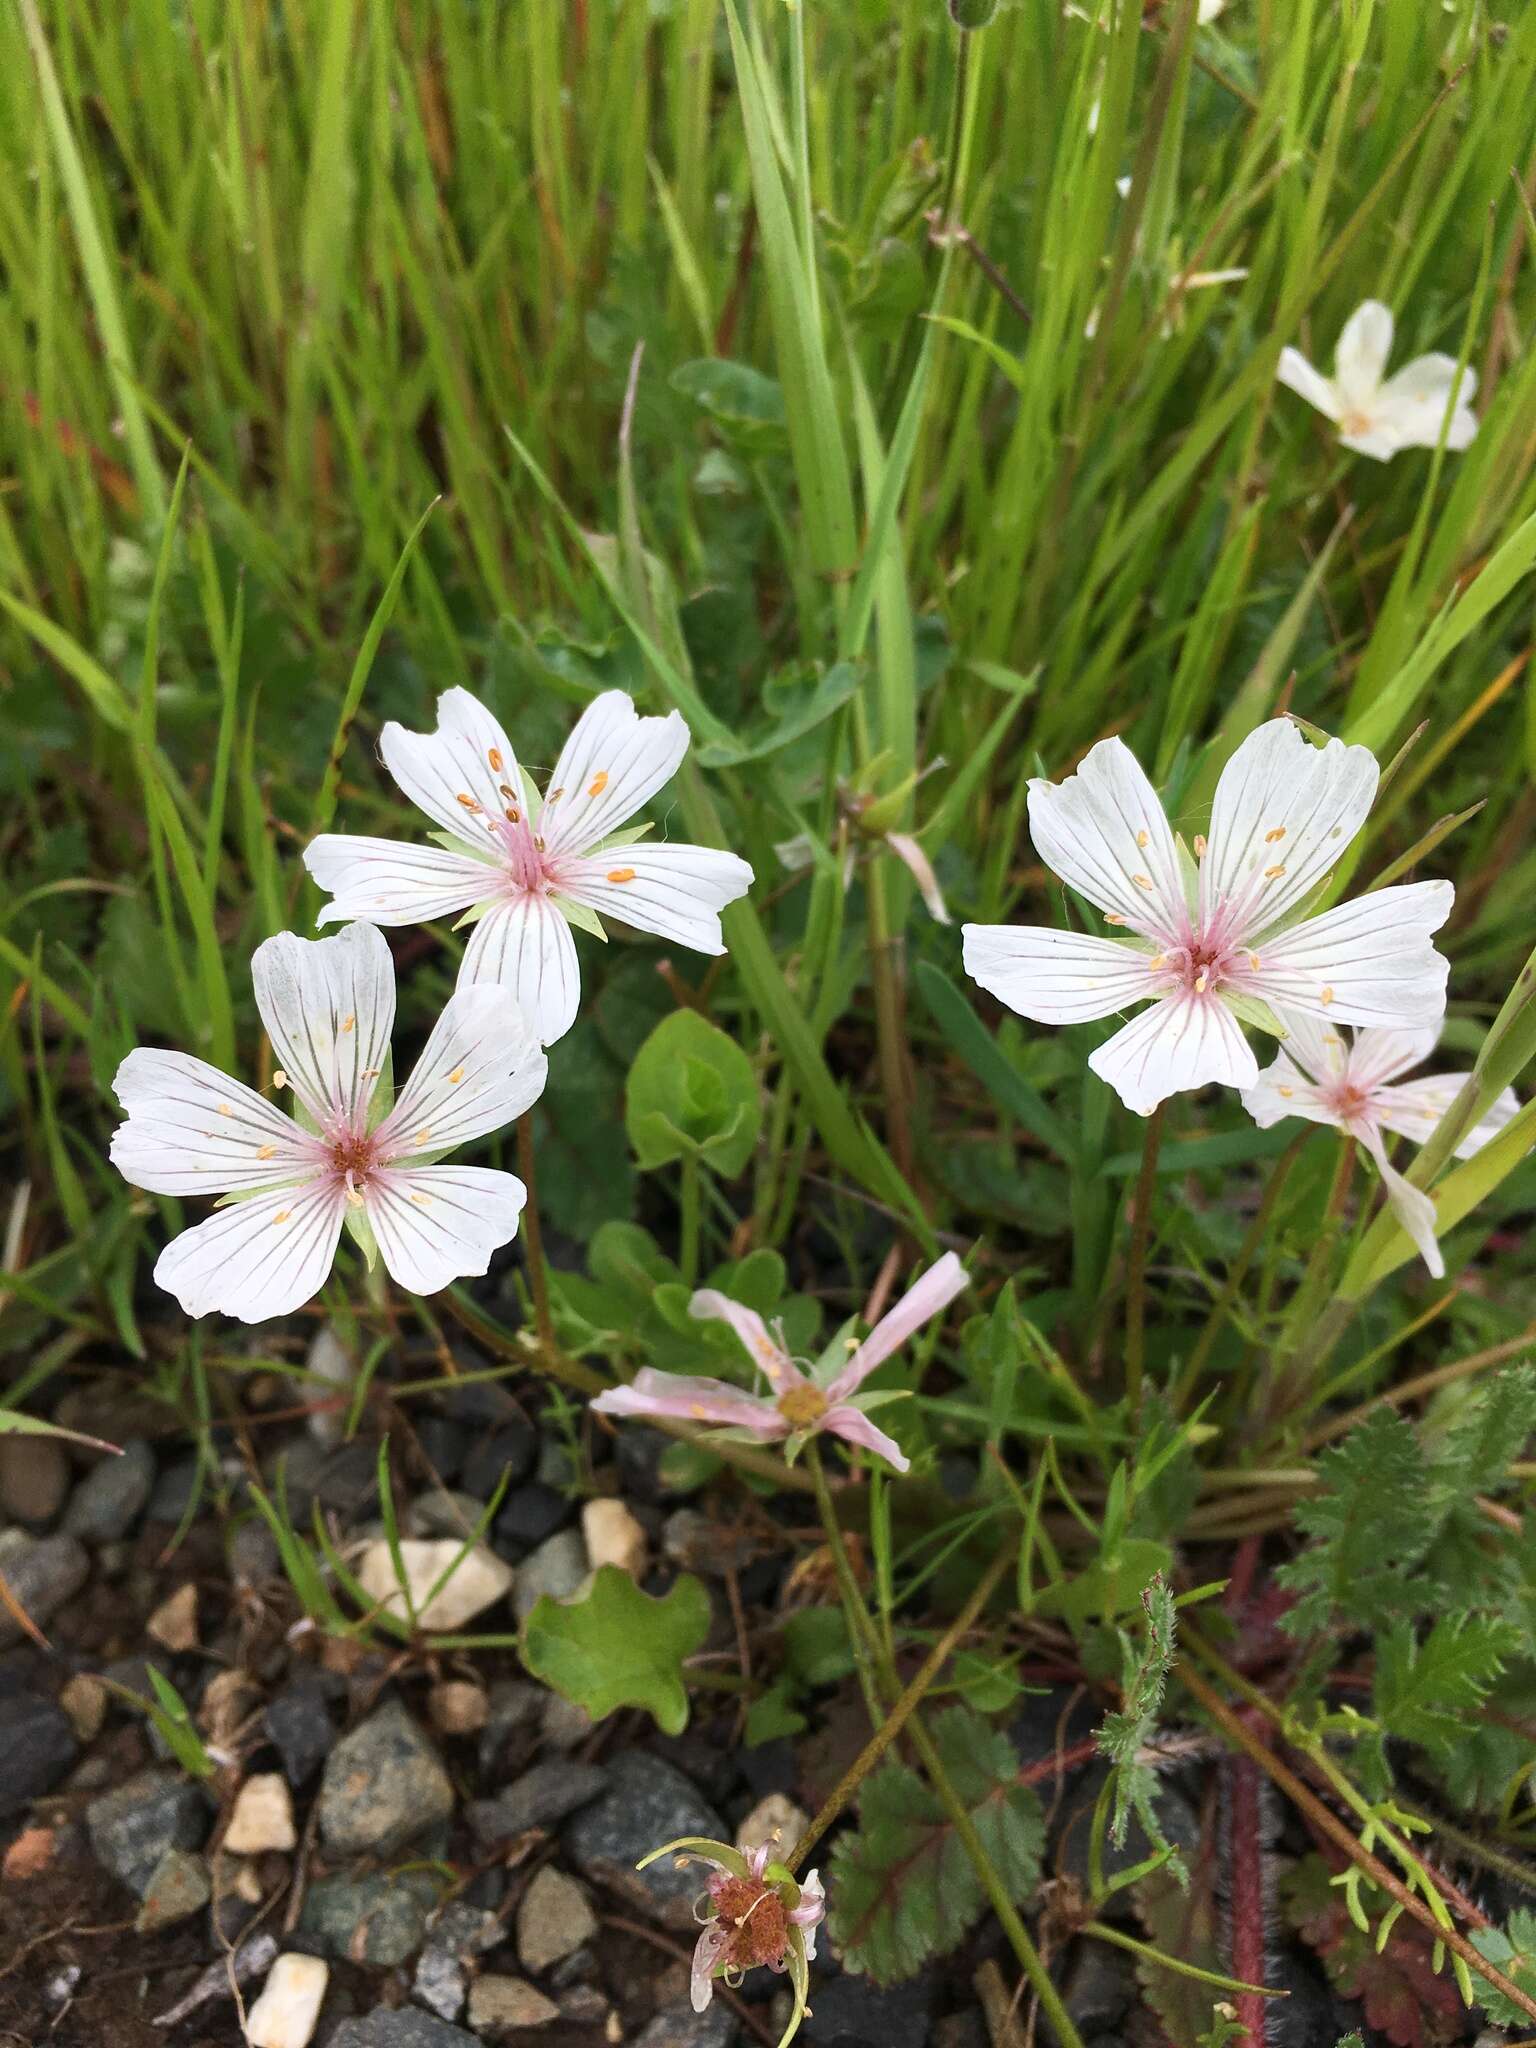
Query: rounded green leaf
[619,1647]
[692,1093]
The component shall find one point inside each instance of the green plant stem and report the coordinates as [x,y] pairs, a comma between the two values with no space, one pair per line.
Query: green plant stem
[1248,1250]
[890,1020]
[1136,1269]
[533,1235]
[863,1630]
[1155,1956]
[891,1726]
[688,1243]
[1298,1359]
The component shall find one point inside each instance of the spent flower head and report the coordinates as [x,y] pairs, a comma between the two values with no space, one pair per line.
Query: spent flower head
[753,1914]
[1378,415]
[349,1158]
[1221,934]
[1353,1082]
[522,869]
[800,1403]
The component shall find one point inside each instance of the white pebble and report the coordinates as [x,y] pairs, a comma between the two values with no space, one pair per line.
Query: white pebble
[776,1821]
[263,1816]
[288,2009]
[477,1583]
[613,1536]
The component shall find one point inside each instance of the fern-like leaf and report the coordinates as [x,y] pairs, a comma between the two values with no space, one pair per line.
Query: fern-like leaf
[1369,1525]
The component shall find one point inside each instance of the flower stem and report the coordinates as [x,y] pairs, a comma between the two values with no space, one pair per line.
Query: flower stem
[688,1246]
[1221,1307]
[1156,1956]
[533,1235]
[864,1633]
[1136,1270]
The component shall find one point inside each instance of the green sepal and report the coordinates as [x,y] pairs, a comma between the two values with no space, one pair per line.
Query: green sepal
[474,913]
[718,1852]
[239,1195]
[382,1100]
[579,915]
[1189,875]
[360,1230]
[1255,1011]
[629,836]
[450,842]
[800,1982]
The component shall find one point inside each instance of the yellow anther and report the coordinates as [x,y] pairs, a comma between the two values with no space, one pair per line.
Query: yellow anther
[1142,881]
[1287,1091]
[1253,962]
[598,783]
[422,1201]
[1157,960]
[1201,979]
[456,1077]
[1272,837]
[1199,846]
[266,1151]
[506,789]
[424,1134]
[225,1110]
[1271,873]
[1113,917]
[1143,838]
[348,1021]
[514,815]
[1327,996]
[467,801]
[279,1079]
[282,1216]
[621,874]
[555,795]
[354,1199]
[493,755]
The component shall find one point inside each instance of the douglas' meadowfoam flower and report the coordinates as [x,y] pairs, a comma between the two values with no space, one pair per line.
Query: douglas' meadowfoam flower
[328,1005]
[1224,934]
[526,868]
[800,1403]
[1353,1083]
[753,1913]
[1377,415]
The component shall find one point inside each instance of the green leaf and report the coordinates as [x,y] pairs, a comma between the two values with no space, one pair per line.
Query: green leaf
[745,405]
[1514,1952]
[1425,1691]
[1367,1529]
[1125,1734]
[692,1093]
[902,1888]
[619,1647]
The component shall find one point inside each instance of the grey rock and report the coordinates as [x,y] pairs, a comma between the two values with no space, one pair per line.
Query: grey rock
[529,1516]
[514,1705]
[538,1799]
[34,1477]
[42,1572]
[253,1554]
[502,2007]
[679,2026]
[349,1479]
[380,1920]
[442,1512]
[178,1888]
[961,2030]
[697,1543]
[509,1450]
[563,1724]
[111,1498]
[557,1464]
[584,2006]
[441,1983]
[460,1931]
[648,1802]
[175,1490]
[408,2028]
[897,2017]
[300,1725]
[132,1827]
[553,1919]
[37,1747]
[557,1568]
[384,1785]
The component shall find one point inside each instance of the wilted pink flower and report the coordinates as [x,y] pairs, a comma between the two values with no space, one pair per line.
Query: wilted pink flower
[1353,1083]
[801,1403]
[754,1915]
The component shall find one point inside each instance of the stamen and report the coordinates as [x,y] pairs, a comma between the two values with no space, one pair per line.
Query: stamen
[1272,837]
[1253,962]
[467,801]
[1143,838]
[423,1134]
[1271,873]
[1327,996]
[555,795]
[266,1151]
[354,1199]
[282,1216]
[514,816]
[493,755]
[1158,960]
[538,843]
[1200,844]
[456,1077]
[506,789]
[598,783]
[225,1110]
[621,874]
[1113,917]
[348,1021]
[422,1201]
[279,1078]
[1201,980]
[1142,881]
[1287,1092]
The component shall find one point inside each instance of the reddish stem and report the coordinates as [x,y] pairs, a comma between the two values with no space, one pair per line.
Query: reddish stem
[1245,1863]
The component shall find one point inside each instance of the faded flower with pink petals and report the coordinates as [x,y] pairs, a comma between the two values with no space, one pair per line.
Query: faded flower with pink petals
[754,1914]
[1356,1085]
[800,1403]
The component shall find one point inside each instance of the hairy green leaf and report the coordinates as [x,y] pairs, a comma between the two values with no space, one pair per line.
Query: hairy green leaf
[619,1647]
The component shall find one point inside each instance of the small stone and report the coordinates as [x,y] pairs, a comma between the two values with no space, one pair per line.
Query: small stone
[288,2010]
[84,1699]
[553,1920]
[175,1490]
[613,1536]
[34,1477]
[457,1707]
[348,1480]
[442,1512]
[174,1622]
[407,2028]
[647,1802]
[262,1818]
[225,1707]
[251,1960]
[538,1799]
[300,1725]
[329,1362]
[37,1747]
[583,2006]
[133,1826]
[30,1854]
[379,1920]
[42,1574]
[479,1579]
[509,1450]
[514,1704]
[497,2005]
[178,1887]
[441,1983]
[563,1723]
[558,1568]
[444,1444]
[897,2016]
[529,1516]
[384,1785]
[679,2026]
[775,1822]
[697,1543]
[253,1553]
[112,1496]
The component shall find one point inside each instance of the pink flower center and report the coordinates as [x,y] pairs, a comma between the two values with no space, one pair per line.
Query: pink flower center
[1203,964]
[802,1406]
[754,1913]
[351,1157]
[1349,1102]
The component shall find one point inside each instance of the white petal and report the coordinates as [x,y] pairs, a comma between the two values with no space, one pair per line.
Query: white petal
[1054,977]
[1413,1109]
[770,1356]
[386,881]
[855,1427]
[1103,831]
[1298,375]
[1412,405]
[525,945]
[1360,360]
[1316,1045]
[677,892]
[193,1131]
[1367,962]
[259,1258]
[1415,1211]
[1283,1090]
[1378,441]
[329,1007]
[1381,1055]
[1183,1042]
[464,774]
[1284,813]
[910,853]
[928,1296]
[613,762]
[436,1224]
[479,1071]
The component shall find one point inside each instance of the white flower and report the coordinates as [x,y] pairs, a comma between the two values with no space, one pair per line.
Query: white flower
[529,868]
[1378,418]
[1225,939]
[328,1005]
[1352,1084]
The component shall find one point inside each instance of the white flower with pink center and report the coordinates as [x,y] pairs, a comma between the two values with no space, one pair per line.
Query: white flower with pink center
[328,1006]
[1220,934]
[526,868]
[1354,1083]
[1378,415]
